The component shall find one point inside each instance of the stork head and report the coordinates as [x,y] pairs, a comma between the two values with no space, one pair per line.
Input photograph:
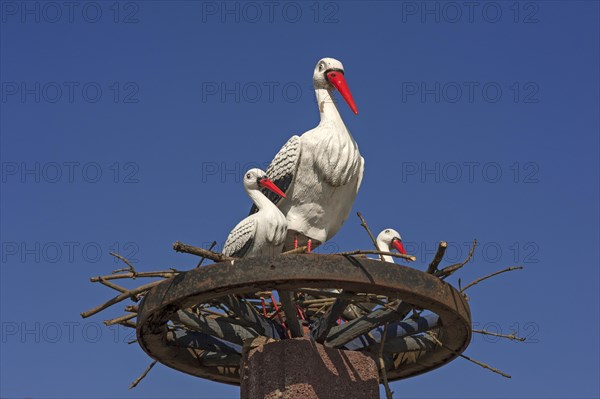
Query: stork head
[329,74]
[255,179]
[391,238]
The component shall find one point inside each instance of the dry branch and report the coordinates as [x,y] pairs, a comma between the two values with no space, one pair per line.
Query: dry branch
[128,323]
[190,249]
[144,374]
[129,267]
[120,319]
[163,274]
[345,295]
[121,297]
[447,271]
[512,336]
[485,366]
[477,362]
[388,392]
[204,257]
[439,255]
[212,312]
[114,286]
[317,302]
[299,250]
[508,269]
[363,223]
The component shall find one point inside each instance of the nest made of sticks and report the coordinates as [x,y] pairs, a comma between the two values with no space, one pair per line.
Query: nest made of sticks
[313,304]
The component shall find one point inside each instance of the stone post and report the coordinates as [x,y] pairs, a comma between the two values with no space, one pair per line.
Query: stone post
[303,369]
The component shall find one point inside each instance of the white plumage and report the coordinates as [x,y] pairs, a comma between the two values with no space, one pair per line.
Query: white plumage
[262,233]
[320,171]
[388,238]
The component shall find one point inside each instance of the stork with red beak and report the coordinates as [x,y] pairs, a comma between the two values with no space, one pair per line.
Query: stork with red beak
[262,233]
[320,171]
[387,239]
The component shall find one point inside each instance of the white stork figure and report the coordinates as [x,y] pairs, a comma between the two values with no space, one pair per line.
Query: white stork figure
[388,238]
[262,233]
[385,240]
[320,171]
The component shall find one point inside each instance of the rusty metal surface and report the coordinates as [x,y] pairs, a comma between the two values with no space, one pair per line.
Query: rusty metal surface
[291,272]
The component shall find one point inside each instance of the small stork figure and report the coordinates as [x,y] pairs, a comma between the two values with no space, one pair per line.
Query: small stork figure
[385,240]
[388,238]
[262,233]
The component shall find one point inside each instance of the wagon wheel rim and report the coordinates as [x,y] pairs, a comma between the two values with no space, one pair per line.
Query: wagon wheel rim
[301,273]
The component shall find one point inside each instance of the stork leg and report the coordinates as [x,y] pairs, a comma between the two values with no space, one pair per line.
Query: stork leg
[277,312]
[264,306]
[296,242]
[309,246]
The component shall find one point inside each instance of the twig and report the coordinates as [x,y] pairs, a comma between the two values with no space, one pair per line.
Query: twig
[321,309]
[128,323]
[129,267]
[299,250]
[132,308]
[388,392]
[144,374]
[213,312]
[512,336]
[315,302]
[263,294]
[477,362]
[204,257]
[120,319]
[330,294]
[163,274]
[447,271]
[485,366]
[114,286]
[439,255]
[370,252]
[479,280]
[190,249]
[364,224]
[121,297]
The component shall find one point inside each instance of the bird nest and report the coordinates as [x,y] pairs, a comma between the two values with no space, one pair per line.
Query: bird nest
[202,320]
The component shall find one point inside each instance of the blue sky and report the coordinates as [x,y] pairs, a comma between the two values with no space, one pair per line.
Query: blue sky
[127,126]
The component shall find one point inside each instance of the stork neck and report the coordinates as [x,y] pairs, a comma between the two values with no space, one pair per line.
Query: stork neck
[326,103]
[383,247]
[260,200]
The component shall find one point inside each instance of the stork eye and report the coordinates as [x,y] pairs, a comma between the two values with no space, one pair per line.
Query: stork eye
[387,232]
[248,176]
[321,66]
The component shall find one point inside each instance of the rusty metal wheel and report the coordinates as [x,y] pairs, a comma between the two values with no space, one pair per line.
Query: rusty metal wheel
[197,321]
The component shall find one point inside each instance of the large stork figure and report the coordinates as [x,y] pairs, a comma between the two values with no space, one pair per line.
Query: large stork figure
[320,171]
[262,233]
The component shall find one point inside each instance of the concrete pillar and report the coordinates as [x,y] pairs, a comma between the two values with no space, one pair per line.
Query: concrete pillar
[303,369]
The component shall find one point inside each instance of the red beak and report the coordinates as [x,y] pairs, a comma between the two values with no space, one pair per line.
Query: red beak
[336,78]
[265,182]
[398,244]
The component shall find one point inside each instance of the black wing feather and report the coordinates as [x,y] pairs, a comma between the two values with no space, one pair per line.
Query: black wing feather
[282,170]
